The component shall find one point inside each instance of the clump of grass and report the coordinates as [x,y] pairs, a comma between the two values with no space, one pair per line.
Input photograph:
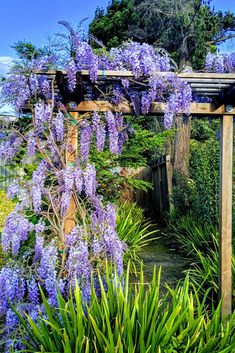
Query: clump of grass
[134,229]
[126,318]
[191,233]
[201,243]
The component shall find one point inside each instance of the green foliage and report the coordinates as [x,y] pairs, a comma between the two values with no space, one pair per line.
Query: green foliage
[130,318]
[199,193]
[204,170]
[184,195]
[134,230]
[111,26]
[187,29]
[6,207]
[191,234]
[201,243]
[26,50]
[137,152]
[144,142]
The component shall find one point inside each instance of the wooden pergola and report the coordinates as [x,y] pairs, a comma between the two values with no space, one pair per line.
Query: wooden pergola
[221,88]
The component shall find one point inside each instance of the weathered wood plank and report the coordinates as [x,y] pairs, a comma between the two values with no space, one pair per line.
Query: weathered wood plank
[226,158]
[156,108]
[113,73]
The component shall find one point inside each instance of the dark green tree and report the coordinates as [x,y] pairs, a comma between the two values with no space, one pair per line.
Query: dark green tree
[26,50]
[187,29]
[111,26]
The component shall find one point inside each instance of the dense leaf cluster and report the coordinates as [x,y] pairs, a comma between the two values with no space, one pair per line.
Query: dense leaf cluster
[186,29]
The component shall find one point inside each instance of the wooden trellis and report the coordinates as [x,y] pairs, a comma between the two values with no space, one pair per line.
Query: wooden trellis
[221,88]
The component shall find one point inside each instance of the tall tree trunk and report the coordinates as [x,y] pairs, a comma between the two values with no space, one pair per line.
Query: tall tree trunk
[182,145]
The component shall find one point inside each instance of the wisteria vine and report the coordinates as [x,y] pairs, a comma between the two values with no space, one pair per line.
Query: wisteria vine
[34,237]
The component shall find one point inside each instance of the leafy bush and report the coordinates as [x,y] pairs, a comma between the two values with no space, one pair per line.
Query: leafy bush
[199,192]
[6,207]
[204,170]
[142,144]
[201,243]
[129,319]
[134,230]
[192,234]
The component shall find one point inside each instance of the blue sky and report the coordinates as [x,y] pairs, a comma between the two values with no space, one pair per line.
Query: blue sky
[35,20]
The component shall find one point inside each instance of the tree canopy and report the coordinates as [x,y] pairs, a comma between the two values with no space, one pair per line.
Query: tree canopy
[187,29]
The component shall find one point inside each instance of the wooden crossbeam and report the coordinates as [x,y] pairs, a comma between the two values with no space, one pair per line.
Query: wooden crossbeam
[203,109]
[116,73]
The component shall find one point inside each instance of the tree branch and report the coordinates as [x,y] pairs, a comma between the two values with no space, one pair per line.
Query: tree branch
[221,39]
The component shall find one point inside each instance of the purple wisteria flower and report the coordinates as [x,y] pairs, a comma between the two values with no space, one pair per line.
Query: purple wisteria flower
[78,179]
[15,230]
[38,180]
[74,236]
[47,271]
[38,247]
[13,190]
[72,74]
[32,144]
[219,64]
[39,227]
[9,148]
[42,115]
[113,133]
[105,240]
[209,63]
[90,183]
[85,139]
[100,131]
[16,90]
[86,59]
[45,87]
[78,264]
[34,84]
[12,321]
[65,202]
[12,287]
[33,291]
[58,125]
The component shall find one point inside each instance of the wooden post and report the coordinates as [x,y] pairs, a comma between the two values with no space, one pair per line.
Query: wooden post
[226,156]
[70,220]
[169,181]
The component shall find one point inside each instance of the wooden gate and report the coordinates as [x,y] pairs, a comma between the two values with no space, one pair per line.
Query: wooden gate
[162,183]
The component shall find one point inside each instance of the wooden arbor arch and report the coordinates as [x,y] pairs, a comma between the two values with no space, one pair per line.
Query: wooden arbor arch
[221,87]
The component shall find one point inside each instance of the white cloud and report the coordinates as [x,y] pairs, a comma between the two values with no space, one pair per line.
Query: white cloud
[5,62]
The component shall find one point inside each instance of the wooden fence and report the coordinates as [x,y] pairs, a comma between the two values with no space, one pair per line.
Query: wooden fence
[162,184]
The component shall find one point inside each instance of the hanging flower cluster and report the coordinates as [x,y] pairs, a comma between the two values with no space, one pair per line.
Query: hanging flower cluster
[34,233]
[220,63]
[144,61]
[19,87]
[42,254]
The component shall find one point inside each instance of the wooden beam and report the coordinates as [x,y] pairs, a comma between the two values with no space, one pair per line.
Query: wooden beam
[226,185]
[116,73]
[71,155]
[156,108]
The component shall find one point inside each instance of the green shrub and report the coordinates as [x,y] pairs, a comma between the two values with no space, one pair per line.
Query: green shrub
[201,243]
[6,207]
[205,272]
[199,192]
[192,234]
[204,170]
[134,230]
[129,319]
